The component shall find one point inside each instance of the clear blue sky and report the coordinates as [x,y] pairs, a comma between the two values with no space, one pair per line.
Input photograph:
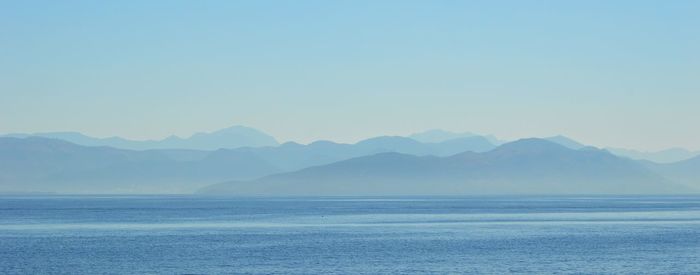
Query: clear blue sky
[609,73]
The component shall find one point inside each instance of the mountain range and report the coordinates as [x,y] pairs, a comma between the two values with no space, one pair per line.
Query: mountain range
[663,156]
[50,165]
[41,164]
[241,136]
[528,166]
[436,160]
[293,156]
[685,172]
[231,137]
[438,135]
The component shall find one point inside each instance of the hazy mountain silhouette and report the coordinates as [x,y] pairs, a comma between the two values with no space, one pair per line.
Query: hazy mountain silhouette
[566,142]
[686,172]
[664,156]
[528,166]
[293,156]
[42,164]
[461,166]
[431,142]
[232,137]
[438,135]
[50,165]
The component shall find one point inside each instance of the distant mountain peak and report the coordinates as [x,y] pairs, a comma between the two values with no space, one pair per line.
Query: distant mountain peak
[566,142]
[530,145]
[291,144]
[322,143]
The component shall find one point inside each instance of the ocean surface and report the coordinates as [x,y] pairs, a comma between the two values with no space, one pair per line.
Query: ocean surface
[208,235]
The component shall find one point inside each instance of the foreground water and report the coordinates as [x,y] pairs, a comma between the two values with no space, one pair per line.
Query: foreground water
[170,234]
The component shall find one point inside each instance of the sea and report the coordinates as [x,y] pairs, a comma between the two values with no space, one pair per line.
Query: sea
[92,234]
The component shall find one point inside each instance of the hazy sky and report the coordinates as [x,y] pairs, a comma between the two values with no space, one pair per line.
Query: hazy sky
[608,73]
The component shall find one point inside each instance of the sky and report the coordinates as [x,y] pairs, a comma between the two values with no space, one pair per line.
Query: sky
[607,73]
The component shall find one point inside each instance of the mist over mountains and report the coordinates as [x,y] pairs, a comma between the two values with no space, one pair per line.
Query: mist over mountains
[252,162]
[294,156]
[438,135]
[686,172]
[42,164]
[663,156]
[231,137]
[241,136]
[50,165]
[529,166]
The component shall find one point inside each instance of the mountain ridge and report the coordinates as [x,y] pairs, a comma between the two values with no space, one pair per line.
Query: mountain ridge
[42,164]
[48,165]
[518,167]
[226,138]
[246,138]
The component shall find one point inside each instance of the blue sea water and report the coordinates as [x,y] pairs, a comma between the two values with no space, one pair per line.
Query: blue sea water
[210,235]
